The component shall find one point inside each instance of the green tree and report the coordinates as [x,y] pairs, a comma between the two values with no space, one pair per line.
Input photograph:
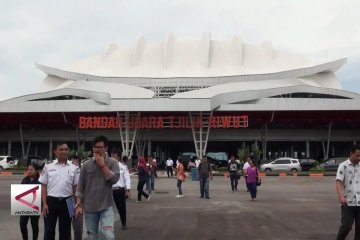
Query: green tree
[243,152]
[80,152]
[255,150]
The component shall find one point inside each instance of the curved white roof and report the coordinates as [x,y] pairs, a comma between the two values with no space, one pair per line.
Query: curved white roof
[174,58]
[189,75]
[115,90]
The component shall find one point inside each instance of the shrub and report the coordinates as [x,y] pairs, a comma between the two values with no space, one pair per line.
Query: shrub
[317,169]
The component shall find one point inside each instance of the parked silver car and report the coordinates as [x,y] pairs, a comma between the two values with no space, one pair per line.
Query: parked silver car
[6,162]
[282,164]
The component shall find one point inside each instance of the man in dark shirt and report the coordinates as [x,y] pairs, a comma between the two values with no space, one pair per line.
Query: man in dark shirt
[204,173]
[94,192]
[234,168]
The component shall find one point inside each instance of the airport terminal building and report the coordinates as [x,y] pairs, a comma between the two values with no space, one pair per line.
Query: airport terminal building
[176,96]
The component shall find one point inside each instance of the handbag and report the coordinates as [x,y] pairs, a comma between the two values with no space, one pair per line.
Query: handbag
[258,180]
[182,178]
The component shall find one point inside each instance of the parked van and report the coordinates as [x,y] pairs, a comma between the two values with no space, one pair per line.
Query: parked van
[282,165]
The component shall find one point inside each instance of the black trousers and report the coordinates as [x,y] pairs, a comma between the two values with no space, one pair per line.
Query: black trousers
[169,170]
[140,190]
[233,182]
[34,220]
[247,188]
[57,209]
[348,215]
[120,203]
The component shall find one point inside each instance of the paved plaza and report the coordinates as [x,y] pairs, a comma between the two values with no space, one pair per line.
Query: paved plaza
[287,208]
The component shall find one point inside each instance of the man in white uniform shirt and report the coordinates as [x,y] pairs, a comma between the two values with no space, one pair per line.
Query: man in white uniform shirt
[59,180]
[348,190]
[169,167]
[77,223]
[197,162]
[245,167]
[121,189]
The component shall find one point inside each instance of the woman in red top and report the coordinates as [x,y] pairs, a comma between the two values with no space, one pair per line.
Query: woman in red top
[251,180]
[142,176]
[180,176]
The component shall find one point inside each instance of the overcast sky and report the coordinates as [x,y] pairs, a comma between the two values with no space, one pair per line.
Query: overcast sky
[60,32]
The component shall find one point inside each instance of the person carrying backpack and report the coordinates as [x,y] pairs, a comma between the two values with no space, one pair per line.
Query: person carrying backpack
[205,175]
[234,168]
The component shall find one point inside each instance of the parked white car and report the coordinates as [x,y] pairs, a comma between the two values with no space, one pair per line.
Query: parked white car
[6,162]
[282,164]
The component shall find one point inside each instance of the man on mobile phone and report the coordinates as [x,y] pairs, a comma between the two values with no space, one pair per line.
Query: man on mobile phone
[94,192]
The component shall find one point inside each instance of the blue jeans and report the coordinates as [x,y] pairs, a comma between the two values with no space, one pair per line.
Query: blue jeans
[106,220]
[152,182]
[252,189]
[148,184]
[179,186]
[204,187]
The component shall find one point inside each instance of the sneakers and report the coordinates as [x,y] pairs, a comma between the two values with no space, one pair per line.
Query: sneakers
[201,196]
[138,201]
[179,196]
[207,197]
[148,199]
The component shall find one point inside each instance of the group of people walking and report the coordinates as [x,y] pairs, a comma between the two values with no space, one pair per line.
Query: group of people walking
[204,175]
[103,180]
[250,173]
[94,187]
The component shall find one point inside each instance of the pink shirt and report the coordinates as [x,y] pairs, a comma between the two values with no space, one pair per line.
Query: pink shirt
[251,174]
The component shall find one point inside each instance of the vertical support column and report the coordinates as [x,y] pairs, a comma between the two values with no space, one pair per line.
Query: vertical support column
[36,149]
[50,149]
[127,135]
[9,148]
[201,134]
[200,137]
[22,142]
[140,144]
[133,133]
[307,149]
[328,140]
[158,151]
[264,144]
[149,148]
[77,137]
